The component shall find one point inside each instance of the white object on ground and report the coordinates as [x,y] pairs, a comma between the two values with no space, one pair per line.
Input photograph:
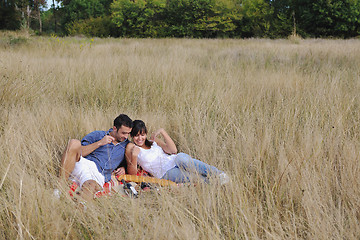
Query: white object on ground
[224,178]
[56,193]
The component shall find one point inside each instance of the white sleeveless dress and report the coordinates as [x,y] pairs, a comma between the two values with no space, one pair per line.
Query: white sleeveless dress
[155,160]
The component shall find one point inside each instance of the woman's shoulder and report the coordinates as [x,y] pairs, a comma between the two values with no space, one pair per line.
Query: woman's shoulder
[130,145]
[133,146]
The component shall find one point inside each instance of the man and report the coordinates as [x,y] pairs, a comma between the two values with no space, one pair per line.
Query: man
[100,153]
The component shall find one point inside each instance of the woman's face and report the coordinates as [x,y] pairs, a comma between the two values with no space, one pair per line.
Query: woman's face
[139,139]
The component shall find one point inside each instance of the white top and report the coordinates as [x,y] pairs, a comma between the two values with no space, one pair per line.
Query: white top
[155,160]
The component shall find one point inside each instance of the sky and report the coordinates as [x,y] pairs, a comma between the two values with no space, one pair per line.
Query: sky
[49,4]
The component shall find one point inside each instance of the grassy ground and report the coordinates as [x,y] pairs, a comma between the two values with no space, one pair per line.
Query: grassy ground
[281,117]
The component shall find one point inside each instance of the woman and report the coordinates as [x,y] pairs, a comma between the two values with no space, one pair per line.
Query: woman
[160,158]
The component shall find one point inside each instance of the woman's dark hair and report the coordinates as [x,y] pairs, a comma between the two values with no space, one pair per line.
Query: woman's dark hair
[139,127]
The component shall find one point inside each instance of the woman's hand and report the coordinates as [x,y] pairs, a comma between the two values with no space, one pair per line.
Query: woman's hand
[167,145]
[156,134]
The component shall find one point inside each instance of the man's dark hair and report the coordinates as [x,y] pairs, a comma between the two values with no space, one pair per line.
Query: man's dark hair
[123,120]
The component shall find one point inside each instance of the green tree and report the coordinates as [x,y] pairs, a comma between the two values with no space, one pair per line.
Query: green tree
[201,18]
[10,18]
[139,18]
[80,10]
[14,13]
[93,27]
[324,18]
[83,9]
[282,19]
[257,16]
[217,20]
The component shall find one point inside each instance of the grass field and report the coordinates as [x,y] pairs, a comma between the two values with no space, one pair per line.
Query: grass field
[281,117]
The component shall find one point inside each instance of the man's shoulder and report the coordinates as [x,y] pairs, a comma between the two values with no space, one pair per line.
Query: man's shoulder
[94,136]
[126,143]
[97,133]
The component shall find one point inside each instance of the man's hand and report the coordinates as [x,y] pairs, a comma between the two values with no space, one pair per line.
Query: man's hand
[106,140]
[120,171]
[87,149]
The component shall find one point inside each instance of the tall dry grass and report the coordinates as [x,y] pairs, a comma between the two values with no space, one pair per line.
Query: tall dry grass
[280,117]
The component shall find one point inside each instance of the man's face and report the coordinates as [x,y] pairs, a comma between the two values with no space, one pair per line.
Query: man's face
[122,133]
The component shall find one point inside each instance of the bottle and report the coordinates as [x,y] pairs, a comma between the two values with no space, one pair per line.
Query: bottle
[129,189]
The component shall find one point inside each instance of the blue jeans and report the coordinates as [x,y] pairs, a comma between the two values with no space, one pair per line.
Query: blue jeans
[188,167]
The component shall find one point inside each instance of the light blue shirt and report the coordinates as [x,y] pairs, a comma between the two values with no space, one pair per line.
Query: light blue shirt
[108,157]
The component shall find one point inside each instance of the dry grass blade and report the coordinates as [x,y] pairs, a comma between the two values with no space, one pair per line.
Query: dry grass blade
[282,117]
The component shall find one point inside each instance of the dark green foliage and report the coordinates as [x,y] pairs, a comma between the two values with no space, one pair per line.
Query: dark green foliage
[191,18]
[202,18]
[17,40]
[92,27]
[282,23]
[324,18]
[9,18]
[77,10]
[173,18]
[84,9]
[139,18]
[257,18]
[47,18]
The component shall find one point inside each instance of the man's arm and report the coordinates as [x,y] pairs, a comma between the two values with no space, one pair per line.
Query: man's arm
[121,169]
[87,149]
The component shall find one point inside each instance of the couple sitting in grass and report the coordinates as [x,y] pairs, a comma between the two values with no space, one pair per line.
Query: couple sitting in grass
[91,162]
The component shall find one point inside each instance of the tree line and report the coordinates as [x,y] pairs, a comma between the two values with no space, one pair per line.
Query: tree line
[185,18]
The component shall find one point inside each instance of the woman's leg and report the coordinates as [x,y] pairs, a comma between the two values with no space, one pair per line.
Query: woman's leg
[180,176]
[186,162]
[176,175]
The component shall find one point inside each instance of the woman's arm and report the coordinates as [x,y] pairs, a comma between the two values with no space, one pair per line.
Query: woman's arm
[168,145]
[131,154]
